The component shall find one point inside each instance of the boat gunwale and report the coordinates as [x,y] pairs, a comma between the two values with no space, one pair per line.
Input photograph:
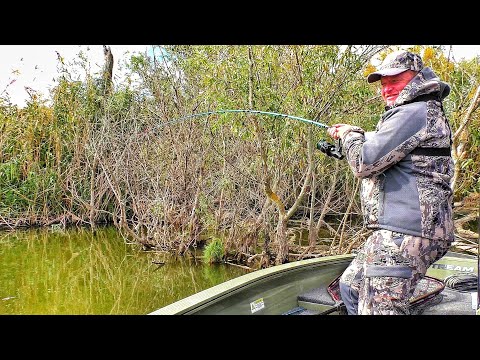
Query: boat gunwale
[219,291]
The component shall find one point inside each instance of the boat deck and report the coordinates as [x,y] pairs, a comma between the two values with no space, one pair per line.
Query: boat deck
[439,301]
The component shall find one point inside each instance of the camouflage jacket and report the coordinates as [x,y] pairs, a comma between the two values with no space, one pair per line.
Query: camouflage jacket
[405,191]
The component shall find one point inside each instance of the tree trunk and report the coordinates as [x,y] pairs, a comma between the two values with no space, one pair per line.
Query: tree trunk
[107,70]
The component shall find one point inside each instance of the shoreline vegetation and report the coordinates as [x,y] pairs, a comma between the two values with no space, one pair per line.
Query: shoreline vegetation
[250,188]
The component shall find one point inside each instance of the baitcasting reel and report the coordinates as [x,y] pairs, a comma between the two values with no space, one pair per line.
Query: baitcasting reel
[330,149]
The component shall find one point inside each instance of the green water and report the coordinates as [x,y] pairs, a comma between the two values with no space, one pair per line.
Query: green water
[77,271]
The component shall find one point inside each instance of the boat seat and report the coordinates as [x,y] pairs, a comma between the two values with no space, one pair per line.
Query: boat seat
[318,301]
[318,295]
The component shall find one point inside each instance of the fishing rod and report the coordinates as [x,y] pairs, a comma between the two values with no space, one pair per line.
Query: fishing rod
[322,145]
[246,111]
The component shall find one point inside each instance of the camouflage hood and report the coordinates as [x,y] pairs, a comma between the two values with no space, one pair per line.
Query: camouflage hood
[425,82]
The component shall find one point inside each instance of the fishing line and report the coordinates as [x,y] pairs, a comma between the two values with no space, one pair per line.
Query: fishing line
[255,112]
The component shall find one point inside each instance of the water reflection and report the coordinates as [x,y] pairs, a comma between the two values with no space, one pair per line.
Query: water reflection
[77,271]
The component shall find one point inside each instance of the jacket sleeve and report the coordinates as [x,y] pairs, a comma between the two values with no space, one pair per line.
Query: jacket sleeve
[398,134]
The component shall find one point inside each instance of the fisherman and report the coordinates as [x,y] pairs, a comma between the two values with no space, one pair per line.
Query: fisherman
[406,171]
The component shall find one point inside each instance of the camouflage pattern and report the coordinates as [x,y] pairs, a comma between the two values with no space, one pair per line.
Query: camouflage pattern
[406,197]
[370,192]
[427,196]
[433,179]
[387,268]
[426,82]
[402,60]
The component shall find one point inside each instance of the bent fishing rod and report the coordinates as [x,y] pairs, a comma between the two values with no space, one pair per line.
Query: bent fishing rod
[325,147]
[245,111]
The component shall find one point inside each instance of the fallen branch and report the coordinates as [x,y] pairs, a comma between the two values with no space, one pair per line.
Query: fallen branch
[238,265]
